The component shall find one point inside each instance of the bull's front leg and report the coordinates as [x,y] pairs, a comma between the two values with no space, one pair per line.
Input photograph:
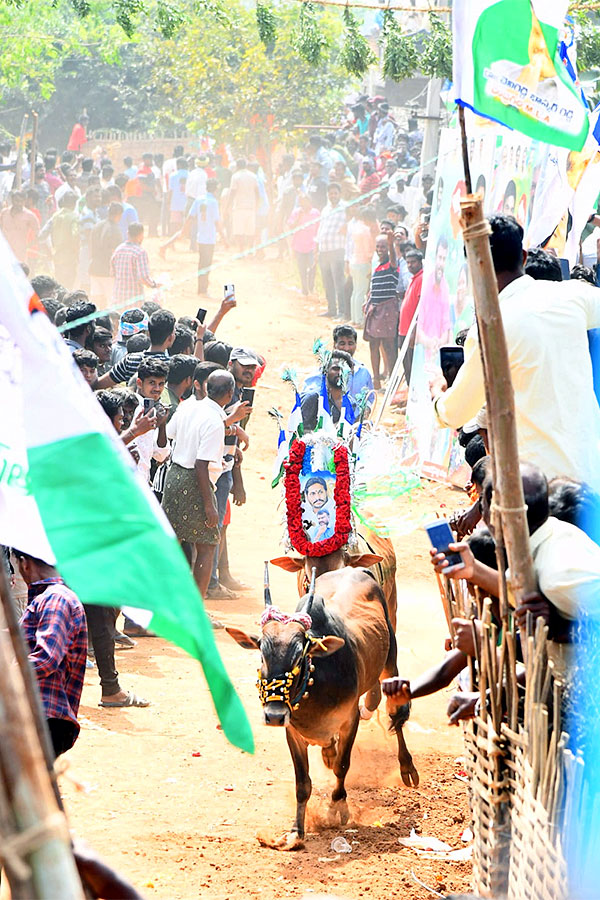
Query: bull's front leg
[294,839]
[339,806]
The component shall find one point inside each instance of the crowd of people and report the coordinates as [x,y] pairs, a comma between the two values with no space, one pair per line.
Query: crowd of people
[172,391]
[549,326]
[83,218]
[180,398]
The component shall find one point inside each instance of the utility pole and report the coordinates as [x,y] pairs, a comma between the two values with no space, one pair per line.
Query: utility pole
[431,129]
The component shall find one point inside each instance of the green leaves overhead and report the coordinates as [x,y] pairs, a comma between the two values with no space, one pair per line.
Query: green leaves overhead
[308,40]
[266,22]
[436,58]
[400,57]
[356,56]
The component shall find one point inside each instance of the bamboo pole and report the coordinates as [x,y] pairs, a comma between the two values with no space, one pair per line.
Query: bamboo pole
[42,838]
[508,488]
[20,148]
[33,155]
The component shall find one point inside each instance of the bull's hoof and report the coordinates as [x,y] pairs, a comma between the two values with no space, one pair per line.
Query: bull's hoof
[365,713]
[338,810]
[410,776]
[289,841]
[329,754]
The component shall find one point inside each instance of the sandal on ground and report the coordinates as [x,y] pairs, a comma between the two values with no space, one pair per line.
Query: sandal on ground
[234,585]
[130,700]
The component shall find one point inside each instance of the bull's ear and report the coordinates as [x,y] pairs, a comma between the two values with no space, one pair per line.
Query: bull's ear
[326,645]
[287,563]
[365,560]
[247,641]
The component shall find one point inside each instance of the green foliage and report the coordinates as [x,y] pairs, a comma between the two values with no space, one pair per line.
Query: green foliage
[588,40]
[400,57]
[356,56]
[308,40]
[266,22]
[240,93]
[436,58]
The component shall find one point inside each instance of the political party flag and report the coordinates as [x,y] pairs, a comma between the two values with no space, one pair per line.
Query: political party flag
[507,67]
[111,541]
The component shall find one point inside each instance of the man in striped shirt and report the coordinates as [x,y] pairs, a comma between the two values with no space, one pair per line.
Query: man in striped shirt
[382,309]
[130,267]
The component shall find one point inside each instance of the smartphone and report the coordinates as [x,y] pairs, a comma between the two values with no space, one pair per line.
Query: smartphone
[229,290]
[148,404]
[248,395]
[440,536]
[451,359]
[565,269]
[201,315]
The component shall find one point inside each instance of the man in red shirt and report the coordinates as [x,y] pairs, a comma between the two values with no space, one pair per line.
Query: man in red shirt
[78,135]
[414,262]
[370,179]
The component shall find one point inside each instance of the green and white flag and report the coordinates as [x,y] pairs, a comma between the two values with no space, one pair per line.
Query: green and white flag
[112,543]
[507,67]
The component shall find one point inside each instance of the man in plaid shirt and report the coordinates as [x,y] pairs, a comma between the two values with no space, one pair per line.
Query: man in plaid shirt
[55,632]
[331,246]
[130,267]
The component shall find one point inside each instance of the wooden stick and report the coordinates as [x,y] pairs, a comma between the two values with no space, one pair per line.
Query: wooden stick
[508,488]
[33,155]
[28,788]
[29,680]
[465,149]
[20,148]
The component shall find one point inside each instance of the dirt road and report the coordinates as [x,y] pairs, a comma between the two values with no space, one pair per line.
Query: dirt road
[170,803]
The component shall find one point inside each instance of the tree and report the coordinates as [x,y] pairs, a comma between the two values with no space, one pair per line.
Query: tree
[223,81]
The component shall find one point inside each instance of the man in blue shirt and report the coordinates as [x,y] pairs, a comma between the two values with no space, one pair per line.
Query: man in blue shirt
[204,211]
[345,338]
[129,216]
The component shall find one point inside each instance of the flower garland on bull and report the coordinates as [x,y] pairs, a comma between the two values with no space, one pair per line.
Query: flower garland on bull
[323,452]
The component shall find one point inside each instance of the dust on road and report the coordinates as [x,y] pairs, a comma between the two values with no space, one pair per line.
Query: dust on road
[170,803]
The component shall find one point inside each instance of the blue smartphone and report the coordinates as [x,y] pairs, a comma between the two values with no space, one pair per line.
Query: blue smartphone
[440,535]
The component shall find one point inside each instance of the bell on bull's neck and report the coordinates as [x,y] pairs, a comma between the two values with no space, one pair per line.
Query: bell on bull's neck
[268,601]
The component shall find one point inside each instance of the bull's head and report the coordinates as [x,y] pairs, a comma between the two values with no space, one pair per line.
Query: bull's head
[329,563]
[287,651]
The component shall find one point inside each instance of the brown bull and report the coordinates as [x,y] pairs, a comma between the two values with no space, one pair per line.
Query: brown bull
[374,553]
[315,666]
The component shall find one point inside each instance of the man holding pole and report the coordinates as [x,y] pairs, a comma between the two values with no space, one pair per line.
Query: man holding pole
[546,324]
[55,632]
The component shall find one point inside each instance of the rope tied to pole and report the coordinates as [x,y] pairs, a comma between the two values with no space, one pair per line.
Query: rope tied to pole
[477,230]
[495,507]
[13,849]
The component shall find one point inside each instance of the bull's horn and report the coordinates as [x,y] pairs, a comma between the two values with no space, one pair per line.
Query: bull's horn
[311,591]
[268,601]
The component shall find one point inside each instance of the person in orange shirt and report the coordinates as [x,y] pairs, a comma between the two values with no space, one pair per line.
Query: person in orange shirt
[19,226]
[78,135]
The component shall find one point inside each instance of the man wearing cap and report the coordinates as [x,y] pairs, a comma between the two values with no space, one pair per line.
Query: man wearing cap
[132,321]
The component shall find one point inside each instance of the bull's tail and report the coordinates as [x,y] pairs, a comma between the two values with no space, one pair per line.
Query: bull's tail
[399,717]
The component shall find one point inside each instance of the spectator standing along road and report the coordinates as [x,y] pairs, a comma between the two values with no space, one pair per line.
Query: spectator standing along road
[130,267]
[331,243]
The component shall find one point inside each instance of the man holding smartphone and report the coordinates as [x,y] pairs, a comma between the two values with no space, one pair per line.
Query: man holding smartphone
[242,365]
[151,379]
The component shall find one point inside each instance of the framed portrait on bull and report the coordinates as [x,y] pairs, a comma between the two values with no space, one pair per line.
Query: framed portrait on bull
[317,489]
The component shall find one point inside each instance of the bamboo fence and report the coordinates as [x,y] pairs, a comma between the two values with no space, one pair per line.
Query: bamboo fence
[518,763]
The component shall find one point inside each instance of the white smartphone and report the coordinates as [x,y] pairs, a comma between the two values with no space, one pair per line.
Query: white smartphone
[229,290]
